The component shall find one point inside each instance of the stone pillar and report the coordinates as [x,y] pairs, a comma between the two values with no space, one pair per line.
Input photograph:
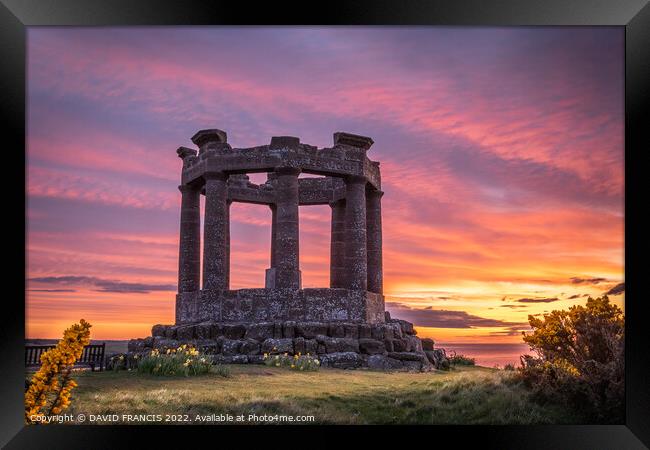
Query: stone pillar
[189,255]
[216,231]
[337,245]
[287,266]
[356,258]
[270,272]
[373,227]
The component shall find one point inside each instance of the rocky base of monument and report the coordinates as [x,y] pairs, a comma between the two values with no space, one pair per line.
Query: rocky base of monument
[387,346]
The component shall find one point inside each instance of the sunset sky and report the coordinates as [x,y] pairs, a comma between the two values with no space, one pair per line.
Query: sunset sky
[501,153]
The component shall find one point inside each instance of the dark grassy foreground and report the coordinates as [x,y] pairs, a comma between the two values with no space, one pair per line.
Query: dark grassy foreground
[470,395]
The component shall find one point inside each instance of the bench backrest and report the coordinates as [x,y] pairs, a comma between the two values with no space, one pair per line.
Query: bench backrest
[33,354]
[93,353]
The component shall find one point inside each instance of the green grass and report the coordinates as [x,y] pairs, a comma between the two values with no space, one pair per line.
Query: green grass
[466,395]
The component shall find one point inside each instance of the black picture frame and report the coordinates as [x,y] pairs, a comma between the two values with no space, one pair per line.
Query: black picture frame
[634,15]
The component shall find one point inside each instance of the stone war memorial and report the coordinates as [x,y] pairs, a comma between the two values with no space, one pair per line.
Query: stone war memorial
[344,324]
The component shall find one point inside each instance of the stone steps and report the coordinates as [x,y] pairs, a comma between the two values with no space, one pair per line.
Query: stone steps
[385,346]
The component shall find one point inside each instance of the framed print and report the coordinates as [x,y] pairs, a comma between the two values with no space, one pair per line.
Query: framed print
[422,215]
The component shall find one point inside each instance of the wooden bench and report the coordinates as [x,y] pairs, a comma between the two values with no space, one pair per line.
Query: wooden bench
[92,355]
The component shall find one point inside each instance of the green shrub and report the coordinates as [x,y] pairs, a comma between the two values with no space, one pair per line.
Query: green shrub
[580,359]
[181,361]
[461,360]
[303,363]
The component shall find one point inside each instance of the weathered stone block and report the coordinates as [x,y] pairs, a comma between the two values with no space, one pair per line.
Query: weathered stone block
[427,343]
[393,330]
[407,327]
[231,347]
[250,347]
[381,362]
[438,358]
[234,331]
[414,343]
[260,331]
[136,345]
[289,329]
[299,345]
[338,345]
[407,356]
[351,330]
[365,331]
[371,346]
[336,330]
[164,343]
[311,346]
[309,330]
[170,332]
[412,366]
[342,360]
[388,344]
[281,345]
[378,332]
[185,332]
[277,330]
[202,331]
[159,330]
[216,330]
[400,345]
[148,341]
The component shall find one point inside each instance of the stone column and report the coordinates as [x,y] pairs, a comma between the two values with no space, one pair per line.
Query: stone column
[373,224]
[189,255]
[286,234]
[216,231]
[356,261]
[337,245]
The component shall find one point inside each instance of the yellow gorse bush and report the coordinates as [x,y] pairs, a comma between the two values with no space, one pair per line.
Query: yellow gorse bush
[49,389]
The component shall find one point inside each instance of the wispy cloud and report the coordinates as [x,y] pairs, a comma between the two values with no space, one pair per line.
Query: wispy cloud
[538,300]
[104,285]
[616,290]
[578,280]
[438,318]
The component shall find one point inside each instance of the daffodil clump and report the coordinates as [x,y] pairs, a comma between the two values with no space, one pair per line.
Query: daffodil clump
[184,360]
[300,362]
[49,390]
[118,362]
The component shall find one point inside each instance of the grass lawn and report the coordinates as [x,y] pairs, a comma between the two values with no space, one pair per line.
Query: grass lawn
[468,395]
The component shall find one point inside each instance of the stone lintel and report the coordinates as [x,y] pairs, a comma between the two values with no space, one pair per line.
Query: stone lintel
[353,140]
[324,162]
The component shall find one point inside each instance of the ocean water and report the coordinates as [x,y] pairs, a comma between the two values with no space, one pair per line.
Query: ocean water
[488,355]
